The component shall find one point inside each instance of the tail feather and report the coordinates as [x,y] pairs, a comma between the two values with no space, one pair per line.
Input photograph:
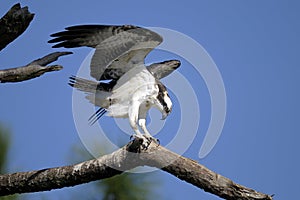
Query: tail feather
[97,115]
[91,86]
[97,94]
[83,84]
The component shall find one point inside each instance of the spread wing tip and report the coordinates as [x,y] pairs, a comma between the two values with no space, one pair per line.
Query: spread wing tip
[92,35]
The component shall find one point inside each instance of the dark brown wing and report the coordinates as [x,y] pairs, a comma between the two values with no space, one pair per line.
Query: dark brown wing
[118,48]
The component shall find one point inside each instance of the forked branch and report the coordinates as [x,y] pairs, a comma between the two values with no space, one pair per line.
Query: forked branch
[124,159]
[13,24]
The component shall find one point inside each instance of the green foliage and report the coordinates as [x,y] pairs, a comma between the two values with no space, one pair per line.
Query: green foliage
[4,147]
[126,186]
[10,197]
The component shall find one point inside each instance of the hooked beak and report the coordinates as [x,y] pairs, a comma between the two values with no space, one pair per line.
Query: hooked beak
[164,115]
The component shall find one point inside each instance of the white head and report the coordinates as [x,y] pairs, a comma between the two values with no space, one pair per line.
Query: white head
[164,101]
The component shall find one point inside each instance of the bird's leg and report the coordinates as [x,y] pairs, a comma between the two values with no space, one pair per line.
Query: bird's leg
[144,108]
[137,133]
[133,120]
[142,124]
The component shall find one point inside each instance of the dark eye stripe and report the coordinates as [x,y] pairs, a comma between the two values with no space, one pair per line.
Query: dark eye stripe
[160,97]
[163,103]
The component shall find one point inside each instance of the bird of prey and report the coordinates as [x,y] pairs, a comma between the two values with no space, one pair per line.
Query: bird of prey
[125,87]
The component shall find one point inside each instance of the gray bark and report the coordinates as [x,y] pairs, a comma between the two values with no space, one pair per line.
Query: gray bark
[34,69]
[128,157]
[13,24]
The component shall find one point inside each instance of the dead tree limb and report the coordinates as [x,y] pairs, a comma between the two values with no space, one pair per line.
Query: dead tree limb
[124,159]
[32,70]
[13,24]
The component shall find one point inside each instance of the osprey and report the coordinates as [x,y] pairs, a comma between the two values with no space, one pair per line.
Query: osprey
[125,87]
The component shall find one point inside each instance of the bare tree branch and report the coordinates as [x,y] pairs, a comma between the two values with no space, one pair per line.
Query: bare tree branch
[124,159]
[13,24]
[32,70]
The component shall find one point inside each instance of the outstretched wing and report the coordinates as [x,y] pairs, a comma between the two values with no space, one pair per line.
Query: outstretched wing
[163,69]
[118,48]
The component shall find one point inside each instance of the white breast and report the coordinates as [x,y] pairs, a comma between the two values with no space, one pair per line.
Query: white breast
[138,84]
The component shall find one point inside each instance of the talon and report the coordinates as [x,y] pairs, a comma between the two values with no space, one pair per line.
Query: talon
[144,140]
[135,136]
[146,144]
[157,141]
[131,137]
[150,139]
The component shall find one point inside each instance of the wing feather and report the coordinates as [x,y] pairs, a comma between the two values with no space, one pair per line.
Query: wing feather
[85,35]
[118,48]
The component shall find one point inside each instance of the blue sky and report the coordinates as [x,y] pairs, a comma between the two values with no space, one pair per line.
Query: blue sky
[255,45]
